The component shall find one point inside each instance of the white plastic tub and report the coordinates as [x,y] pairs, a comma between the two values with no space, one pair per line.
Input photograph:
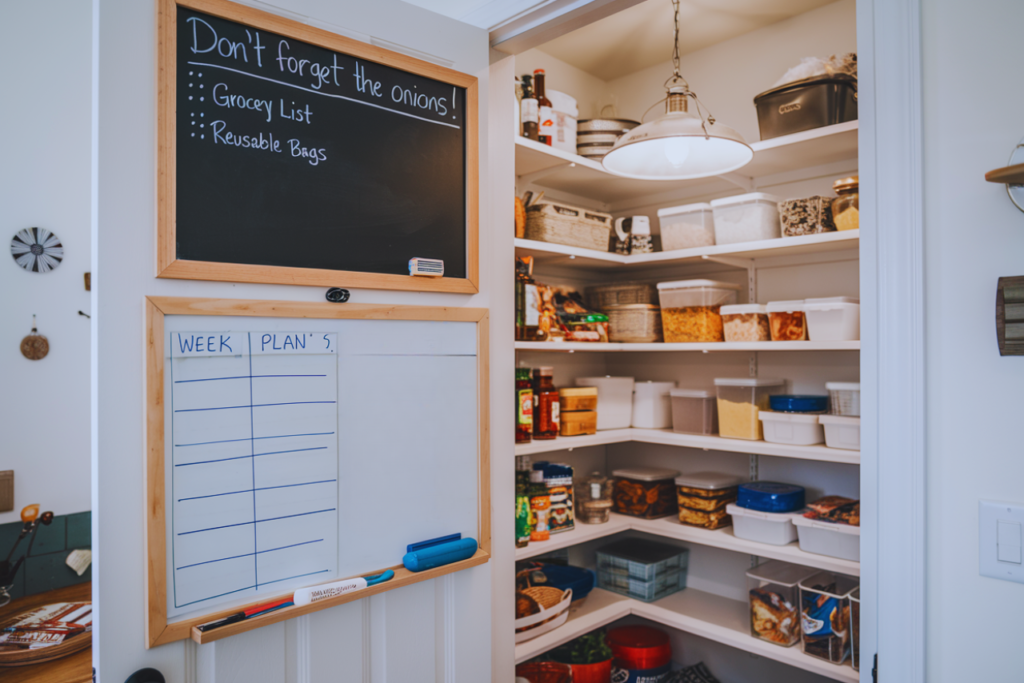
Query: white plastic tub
[834,318]
[841,431]
[773,528]
[747,218]
[794,429]
[825,538]
[652,405]
[686,227]
[745,323]
[614,400]
[844,398]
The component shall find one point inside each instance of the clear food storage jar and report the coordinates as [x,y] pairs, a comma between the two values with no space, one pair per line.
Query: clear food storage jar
[787,320]
[740,401]
[634,323]
[694,411]
[841,431]
[703,498]
[614,400]
[646,492]
[690,309]
[793,429]
[808,216]
[746,323]
[825,615]
[844,398]
[746,218]
[834,318]
[686,227]
[828,538]
[594,498]
[773,528]
[652,405]
[846,207]
[774,589]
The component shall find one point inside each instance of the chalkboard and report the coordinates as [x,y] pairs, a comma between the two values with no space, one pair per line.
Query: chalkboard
[293,155]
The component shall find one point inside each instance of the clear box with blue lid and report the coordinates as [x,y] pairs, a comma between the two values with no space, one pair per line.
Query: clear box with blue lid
[770,496]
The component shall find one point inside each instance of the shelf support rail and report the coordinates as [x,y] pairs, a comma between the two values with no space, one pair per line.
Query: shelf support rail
[528,178]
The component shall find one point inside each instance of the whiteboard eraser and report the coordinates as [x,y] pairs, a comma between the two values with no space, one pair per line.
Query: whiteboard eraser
[426,267]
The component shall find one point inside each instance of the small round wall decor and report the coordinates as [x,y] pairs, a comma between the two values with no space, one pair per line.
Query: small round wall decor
[35,346]
[37,250]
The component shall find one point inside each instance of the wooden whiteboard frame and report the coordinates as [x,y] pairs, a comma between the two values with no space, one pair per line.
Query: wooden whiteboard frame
[158,630]
[169,266]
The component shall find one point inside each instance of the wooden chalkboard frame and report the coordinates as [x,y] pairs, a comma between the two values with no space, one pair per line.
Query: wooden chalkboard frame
[169,266]
[158,630]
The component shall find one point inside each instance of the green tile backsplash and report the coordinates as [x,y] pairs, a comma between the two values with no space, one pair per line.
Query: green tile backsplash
[45,569]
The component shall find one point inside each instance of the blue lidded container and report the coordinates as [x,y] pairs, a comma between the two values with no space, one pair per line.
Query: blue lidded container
[770,496]
[794,403]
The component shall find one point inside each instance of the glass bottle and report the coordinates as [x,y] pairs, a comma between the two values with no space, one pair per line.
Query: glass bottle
[545,112]
[846,207]
[540,506]
[529,111]
[527,301]
[545,403]
[523,517]
[524,406]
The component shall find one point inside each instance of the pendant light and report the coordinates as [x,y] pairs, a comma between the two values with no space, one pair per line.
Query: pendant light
[679,145]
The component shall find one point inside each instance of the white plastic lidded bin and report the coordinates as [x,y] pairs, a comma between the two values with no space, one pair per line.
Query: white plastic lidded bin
[694,411]
[794,429]
[834,318]
[687,227]
[841,431]
[652,405]
[843,398]
[747,218]
[614,400]
[773,528]
[828,538]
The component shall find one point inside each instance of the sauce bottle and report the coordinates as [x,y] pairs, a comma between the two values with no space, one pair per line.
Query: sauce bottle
[527,302]
[540,507]
[545,403]
[523,516]
[547,115]
[529,112]
[524,406]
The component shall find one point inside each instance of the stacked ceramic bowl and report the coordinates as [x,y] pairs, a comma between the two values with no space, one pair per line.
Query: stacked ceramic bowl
[595,137]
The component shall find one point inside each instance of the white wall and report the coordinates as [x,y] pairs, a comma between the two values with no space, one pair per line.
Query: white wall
[972,106]
[44,182]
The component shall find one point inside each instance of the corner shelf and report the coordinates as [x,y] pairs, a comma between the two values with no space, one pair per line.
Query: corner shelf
[604,347]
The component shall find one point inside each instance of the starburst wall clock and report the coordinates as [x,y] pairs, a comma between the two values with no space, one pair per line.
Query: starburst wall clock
[37,250]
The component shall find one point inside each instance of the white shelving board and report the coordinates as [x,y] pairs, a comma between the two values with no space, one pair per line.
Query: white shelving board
[709,443]
[670,527]
[565,172]
[705,347]
[702,614]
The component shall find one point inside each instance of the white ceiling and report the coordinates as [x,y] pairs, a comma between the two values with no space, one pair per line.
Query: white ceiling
[480,13]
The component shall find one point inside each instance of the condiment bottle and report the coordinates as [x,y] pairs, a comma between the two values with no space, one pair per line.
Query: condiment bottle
[529,111]
[524,406]
[846,207]
[540,507]
[547,115]
[527,301]
[545,403]
[523,516]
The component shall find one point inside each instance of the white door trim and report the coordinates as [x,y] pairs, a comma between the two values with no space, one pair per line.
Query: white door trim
[892,327]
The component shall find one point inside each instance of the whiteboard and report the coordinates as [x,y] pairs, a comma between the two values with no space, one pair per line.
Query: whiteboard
[298,451]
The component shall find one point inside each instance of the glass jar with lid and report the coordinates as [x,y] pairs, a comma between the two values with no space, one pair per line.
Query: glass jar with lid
[594,498]
[846,207]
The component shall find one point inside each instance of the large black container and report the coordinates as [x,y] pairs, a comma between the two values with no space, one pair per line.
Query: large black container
[806,104]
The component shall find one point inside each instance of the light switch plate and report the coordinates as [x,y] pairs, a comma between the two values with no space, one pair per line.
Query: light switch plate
[1000,539]
[6,490]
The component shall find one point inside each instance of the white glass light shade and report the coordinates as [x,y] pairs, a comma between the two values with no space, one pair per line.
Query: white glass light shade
[675,147]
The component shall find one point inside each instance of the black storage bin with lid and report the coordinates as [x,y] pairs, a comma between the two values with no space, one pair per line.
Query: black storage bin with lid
[806,104]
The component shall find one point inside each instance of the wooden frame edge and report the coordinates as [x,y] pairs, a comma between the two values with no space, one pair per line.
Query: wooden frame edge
[170,267]
[158,630]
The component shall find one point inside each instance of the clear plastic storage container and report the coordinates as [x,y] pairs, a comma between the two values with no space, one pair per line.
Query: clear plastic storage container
[686,227]
[740,401]
[690,309]
[787,320]
[807,216]
[825,615]
[646,492]
[828,538]
[773,528]
[652,405]
[834,318]
[746,323]
[594,498]
[634,324]
[746,218]
[694,411]
[841,431]
[844,398]
[774,589]
[792,429]
[642,569]
[703,498]
[614,400]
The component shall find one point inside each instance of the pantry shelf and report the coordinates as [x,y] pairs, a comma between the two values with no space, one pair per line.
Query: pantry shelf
[565,172]
[603,347]
[670,527]
[702,614]
[709,443]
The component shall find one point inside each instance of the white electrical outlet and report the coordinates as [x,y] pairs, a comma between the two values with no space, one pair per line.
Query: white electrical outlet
[1000,539]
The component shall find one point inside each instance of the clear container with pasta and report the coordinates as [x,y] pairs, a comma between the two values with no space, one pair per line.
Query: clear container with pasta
[746,323]
[691,309]
[740,402]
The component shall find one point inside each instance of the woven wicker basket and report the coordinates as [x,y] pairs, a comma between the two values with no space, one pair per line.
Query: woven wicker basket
[569,225]
[603,297]
[635,323]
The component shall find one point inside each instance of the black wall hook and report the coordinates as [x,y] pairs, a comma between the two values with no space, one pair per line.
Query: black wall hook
[337,295]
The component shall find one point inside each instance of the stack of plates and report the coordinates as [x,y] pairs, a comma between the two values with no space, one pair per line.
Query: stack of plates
[595,137]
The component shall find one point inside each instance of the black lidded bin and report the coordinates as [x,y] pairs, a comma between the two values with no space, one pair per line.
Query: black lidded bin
[805,104]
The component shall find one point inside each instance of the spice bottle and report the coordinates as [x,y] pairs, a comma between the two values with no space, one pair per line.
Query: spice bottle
[846,207]
[545,404]
[540,506]
[529,111]
[524,406]
[523,516]
[545,111]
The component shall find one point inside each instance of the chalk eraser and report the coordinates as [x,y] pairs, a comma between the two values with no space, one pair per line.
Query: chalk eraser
[426,267]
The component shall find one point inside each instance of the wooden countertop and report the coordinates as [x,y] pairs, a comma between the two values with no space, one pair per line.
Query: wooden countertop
[76,667]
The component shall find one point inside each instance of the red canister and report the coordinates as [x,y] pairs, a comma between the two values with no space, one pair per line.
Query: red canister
[640,648]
